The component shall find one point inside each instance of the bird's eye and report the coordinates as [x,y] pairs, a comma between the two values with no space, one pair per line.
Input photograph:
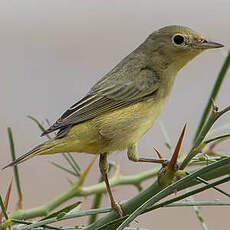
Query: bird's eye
[178,39]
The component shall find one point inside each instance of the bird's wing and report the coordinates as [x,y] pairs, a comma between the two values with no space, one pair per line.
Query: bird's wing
[108,97]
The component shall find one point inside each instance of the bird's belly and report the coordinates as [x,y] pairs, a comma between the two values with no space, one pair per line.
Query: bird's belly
[127,125]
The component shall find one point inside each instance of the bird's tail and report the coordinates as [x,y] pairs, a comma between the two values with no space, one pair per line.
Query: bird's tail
[40,149]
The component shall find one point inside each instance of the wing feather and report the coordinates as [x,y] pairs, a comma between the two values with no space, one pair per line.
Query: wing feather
[115,96]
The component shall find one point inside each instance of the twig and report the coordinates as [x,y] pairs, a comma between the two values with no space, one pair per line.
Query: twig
[16,173]
[196,147]
[213,95]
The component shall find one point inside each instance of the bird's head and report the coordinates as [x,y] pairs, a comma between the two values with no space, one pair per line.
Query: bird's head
[178,45]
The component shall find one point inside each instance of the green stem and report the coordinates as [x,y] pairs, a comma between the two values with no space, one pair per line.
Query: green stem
[68,159]
[96,203]
[196,147]
[41,127]
[172,202]
[163,204]
[222,137]
[27,223]
[64,169]
[106,210]
[3,208]
[100,188]
[75,163]
[199,203]
[43,210]
[213,95]
[198,214]
[153,194]
[16,174]
[217,189]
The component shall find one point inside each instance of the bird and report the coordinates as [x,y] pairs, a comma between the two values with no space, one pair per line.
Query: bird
[125,103]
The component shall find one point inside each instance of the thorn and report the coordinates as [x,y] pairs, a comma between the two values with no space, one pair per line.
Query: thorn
[48,122]
[175,191]
[6,201]
[173,161]
[158,153]
[139,187]
[70,181]
[86,171]
[214,107]
[212,146]
[116,170]
[19,203]
[160,173]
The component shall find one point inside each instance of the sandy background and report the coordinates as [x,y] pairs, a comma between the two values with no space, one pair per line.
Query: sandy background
[52,51]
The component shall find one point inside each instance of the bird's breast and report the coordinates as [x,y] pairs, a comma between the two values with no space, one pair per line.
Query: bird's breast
[127,125]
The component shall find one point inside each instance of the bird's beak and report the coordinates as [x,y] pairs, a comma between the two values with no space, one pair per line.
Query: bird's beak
[209,45]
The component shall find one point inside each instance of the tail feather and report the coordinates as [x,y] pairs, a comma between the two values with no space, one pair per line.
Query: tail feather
[56,145]
[35,151]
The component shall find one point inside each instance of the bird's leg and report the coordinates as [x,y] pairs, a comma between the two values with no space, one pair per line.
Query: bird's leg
[133,156]
[103,164]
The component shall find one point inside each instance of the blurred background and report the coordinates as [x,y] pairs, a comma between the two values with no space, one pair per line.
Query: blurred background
[52,51]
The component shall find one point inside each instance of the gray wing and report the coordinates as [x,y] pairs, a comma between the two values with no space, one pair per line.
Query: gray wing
[107,95]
